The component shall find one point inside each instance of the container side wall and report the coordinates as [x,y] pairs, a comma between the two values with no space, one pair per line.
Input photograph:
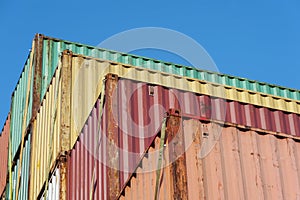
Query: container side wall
[46,133]
[18,106]
[138,117]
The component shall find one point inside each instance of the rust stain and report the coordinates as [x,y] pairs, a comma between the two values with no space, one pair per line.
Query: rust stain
[113,178]
[176,153]
[38,59]
[65,129]
[63,177]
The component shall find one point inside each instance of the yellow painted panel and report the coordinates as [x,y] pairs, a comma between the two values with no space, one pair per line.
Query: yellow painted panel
[45,141]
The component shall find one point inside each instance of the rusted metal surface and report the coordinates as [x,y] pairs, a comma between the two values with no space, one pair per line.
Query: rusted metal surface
[132,103]
[242,165]
[188,84]
[4,137]
[38,59]
[176,152]
[113,157]
[65,129]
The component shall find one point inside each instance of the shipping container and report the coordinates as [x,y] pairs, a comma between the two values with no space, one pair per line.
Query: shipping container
[12,187]
[43,60]
[133,113]
[243,164]
[61,118]
[62,94]
[4,137]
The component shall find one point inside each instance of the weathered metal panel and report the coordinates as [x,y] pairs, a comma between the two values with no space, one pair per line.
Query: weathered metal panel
[24,183]
[53,47]
[42,161]
[138,118]
[46,134]
[87,68]
[242,165]
[4,137]
[18,106]
[53,190]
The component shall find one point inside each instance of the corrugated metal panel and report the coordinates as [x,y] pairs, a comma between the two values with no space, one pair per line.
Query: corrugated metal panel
[23,192]
[242,165]
[53,187]
[46,134]
[85,93]
[133,104]
[240,107]
[4,137]
[97,68]
[18,106]
[53,47]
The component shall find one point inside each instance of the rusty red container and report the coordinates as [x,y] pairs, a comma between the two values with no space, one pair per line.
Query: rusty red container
[110,149]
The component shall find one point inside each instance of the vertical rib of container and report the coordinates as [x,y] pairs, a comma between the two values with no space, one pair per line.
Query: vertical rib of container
[4,137]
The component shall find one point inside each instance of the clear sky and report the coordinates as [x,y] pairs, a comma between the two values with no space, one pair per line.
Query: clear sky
[258,39]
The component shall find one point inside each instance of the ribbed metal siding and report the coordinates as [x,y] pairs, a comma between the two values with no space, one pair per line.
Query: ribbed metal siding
[18,107]
[88,91]
[23,192]
[46,137]
[242,165]
[53,187]
[53,47]
[169,80]
[4,137]
[135,107]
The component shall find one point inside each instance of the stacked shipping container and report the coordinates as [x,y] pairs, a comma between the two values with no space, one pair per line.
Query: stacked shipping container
[86,154]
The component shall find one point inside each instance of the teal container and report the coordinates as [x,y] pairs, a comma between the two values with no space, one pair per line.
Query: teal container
[52,48]
[18,108]
[24,184]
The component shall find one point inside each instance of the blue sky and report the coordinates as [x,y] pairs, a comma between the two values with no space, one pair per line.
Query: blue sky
[258,40]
